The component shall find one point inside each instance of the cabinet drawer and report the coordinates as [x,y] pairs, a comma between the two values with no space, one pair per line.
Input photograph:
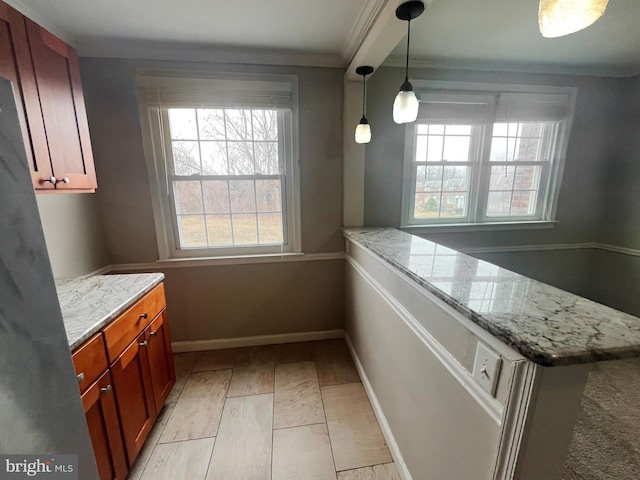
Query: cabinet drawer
[90,361]
[124,329]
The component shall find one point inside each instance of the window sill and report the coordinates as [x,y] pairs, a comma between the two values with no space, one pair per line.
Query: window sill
[246,259]
[477,227]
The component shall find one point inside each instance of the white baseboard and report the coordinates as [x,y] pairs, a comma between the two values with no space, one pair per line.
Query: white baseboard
[377,410]
[220,343]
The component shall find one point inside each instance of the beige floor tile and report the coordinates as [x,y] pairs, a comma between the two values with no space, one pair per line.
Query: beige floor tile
[198,410]
[356,438]
[297,396]
[244,441]
[254,371]
[184,363]
[215,360]
[334,363]
[150,443]
[179,460]
[302,453]
[387,471]
[294,353]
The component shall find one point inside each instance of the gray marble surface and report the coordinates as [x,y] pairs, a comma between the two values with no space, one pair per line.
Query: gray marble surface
[547,325]
[90,303]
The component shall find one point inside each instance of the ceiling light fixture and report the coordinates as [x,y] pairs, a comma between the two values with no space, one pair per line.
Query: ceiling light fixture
[405,106]
[363,130]
[557,18]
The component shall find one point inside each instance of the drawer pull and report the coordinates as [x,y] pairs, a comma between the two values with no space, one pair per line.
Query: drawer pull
[153,334]
[144,315]
[143,344]
[107,389]
[80,377]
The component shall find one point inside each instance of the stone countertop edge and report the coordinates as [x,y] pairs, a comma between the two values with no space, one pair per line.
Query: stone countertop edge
[561,351]
[88,304]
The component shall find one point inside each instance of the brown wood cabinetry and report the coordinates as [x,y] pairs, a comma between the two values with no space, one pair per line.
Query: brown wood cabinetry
[163,375]
[132,381]
[46,77]
[104,429]
[129,366]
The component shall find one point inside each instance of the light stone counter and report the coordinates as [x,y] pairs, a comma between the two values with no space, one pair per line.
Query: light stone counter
[88,304]
[546,325]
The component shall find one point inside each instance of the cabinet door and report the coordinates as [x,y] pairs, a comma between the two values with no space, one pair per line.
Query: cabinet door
[104,429]
[163,375]
[16,66]
[134,395]
[63,110]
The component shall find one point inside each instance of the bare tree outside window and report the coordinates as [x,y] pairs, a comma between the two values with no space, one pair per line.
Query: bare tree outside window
[226,173]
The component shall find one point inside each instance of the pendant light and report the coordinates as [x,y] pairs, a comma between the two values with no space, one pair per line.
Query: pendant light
[405,106]
[557,18]
[363,130]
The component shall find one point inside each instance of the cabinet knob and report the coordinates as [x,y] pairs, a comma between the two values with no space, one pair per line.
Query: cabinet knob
[144,315]
[153,334]
[52,180]
[143,344]
[64,180]
[80,377]
[107,389]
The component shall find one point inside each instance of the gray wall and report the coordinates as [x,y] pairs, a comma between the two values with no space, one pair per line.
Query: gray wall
[620,224]
[73,232]
[225,301]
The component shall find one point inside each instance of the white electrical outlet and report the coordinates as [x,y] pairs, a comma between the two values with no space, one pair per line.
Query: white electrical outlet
[486,368]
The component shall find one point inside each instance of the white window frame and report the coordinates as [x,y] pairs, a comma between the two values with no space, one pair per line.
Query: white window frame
[476,218]
[157,146]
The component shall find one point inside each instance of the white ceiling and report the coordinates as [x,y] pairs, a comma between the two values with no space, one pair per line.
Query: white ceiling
[503,34]
[484,34]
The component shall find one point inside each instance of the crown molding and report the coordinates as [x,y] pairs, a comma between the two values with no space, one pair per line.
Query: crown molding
[507,67]
[32,14]
[369,14]
[124,48]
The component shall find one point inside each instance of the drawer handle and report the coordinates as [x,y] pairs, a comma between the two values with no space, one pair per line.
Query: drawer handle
[143,315]
[143,344]
[107,389]
[80,377]
[153,334]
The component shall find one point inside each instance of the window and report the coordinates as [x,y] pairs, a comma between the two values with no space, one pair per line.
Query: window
[222,161]
[485,157]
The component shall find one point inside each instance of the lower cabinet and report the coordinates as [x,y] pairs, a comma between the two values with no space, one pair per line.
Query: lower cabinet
[163,374]
[104,428]
[134,394]
[125,374]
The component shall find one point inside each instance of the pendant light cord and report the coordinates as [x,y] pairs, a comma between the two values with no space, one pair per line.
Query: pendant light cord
[406,71]
[364,94]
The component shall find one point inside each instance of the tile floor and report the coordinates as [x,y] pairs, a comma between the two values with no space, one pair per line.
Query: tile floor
[278,412]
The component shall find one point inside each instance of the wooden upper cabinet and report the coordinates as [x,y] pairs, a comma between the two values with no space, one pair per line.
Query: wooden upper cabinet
[16,66]
[57,76]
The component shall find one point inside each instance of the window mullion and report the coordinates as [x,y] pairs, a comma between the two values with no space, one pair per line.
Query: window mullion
[481,187]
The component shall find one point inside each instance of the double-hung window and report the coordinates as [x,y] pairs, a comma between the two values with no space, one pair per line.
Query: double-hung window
[485,157]
[221,156]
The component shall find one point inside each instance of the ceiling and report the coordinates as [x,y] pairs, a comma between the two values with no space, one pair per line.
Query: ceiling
[504,34]
[479,34]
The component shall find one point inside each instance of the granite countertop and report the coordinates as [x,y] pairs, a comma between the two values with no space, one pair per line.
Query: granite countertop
[548,326]
[88,304]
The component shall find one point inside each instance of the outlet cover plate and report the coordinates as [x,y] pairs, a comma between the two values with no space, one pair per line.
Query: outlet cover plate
[486,368]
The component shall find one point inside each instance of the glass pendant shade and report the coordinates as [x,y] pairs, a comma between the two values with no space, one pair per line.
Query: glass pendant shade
[405,107]
[363,132]
[557,18]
